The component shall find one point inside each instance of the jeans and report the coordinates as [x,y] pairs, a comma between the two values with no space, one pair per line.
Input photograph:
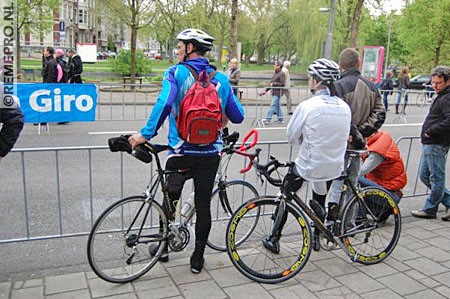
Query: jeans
[336,185]
[275,108]
[363,182]
[432,174]
[399,97]
[385,100]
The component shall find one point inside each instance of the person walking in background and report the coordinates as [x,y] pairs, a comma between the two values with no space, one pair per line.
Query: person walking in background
[435,137]
[403,84]
[204,159]
[12,122]
[276,85]
[387,87]
[287,85]
[76,67]
[234,75]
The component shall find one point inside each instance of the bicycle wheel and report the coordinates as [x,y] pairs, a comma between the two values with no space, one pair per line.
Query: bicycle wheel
[118,245]
[421,99]
[256,262]
[223,205]
[370,237]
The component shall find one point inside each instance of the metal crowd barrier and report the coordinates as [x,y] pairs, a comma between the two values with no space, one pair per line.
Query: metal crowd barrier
[59,192]
[117,101]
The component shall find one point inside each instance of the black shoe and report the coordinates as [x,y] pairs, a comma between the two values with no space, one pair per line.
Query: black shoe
[273,246]
[423,214]
[62,123]
[197,262]
[153,249]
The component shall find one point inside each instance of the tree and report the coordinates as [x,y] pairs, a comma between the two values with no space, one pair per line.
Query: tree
[234,28]
[426,29]
[136,14]
[34,17]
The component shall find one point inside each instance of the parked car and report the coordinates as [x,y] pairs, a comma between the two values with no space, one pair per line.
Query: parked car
[418,81]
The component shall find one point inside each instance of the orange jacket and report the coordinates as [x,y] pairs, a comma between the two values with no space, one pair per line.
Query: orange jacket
[390,174]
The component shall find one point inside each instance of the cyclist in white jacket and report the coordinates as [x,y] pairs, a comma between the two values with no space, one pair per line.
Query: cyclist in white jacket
[321,126]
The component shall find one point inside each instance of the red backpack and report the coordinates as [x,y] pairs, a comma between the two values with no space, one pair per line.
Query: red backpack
[200,116]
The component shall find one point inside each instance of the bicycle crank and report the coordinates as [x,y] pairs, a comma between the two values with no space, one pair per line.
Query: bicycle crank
[327,244]
[180,239]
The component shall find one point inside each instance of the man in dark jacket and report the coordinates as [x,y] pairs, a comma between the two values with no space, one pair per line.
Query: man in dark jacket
[12,120]
[76,66]
[50,71]
[276,84]
[435,137]
[368,113]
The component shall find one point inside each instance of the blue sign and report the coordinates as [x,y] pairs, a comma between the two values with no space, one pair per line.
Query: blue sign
[62,26]
[57,102]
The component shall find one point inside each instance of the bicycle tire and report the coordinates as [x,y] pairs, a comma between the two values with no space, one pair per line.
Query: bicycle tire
[222,208]
[371,239]
[108,253]
[421,100]
[258,263]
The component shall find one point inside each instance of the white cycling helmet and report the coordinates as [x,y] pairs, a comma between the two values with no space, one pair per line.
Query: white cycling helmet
[198,37]
[324,69]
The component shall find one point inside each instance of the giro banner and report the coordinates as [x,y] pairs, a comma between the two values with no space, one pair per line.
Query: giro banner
[57,102]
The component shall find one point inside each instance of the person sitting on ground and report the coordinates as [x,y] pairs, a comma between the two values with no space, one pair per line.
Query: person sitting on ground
[383,167]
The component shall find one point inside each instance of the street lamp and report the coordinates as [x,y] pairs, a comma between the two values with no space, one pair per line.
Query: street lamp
[329,41]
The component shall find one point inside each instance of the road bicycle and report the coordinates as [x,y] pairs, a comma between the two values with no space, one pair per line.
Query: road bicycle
[280,243]
[425,96]
[118,244]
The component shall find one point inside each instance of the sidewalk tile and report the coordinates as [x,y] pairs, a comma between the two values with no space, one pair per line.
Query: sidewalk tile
[295,291]
[444,278]
[33,283]
[402,284]
[247,291]
[440,242]
[426,266]
[378,270]
[436,254]
[5,288]
[317,280]
[338,293]
[403,253]
[182,274]
[383,294]
[101,288]
[336,267]
[156,288]
[411,242]
[65,283]
[443,290]
[203,289]
[78,294]
[228,276]
[359,282]
[420,231]
[427,294]
[29,293]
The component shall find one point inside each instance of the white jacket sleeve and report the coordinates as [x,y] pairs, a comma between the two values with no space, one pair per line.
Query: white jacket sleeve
[295,126]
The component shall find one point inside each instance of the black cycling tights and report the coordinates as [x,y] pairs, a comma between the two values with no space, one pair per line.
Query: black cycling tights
[204,169]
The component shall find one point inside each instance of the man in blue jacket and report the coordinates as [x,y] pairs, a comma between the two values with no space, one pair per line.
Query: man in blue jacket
[203,160]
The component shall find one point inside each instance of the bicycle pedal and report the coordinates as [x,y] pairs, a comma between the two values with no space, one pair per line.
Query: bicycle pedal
[327,244]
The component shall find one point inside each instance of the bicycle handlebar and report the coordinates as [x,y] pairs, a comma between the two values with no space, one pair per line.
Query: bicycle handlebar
[267,170]
[230,148]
